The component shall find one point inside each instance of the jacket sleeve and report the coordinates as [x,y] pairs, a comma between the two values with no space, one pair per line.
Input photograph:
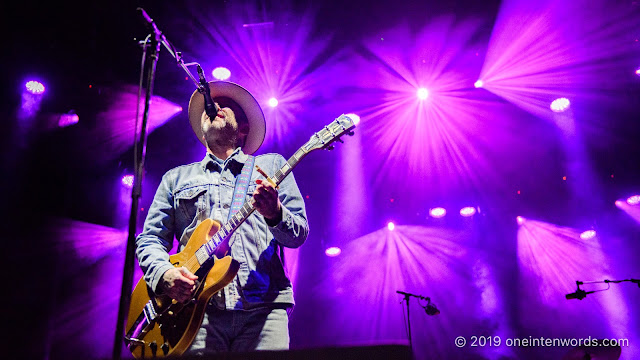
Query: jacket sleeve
[293,229]
[156,239]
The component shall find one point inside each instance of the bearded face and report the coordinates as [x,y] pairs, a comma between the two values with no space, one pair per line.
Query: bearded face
[222,130]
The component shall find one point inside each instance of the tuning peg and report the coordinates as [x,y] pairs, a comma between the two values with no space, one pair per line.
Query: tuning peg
[350,133]
[330,147]
[340,139]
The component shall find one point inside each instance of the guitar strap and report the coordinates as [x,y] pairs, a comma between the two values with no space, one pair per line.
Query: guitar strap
[240,193]
[242,184]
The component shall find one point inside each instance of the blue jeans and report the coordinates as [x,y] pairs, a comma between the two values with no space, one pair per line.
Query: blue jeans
[241,330]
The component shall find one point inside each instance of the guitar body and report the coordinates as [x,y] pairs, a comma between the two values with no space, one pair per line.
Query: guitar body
[176,324]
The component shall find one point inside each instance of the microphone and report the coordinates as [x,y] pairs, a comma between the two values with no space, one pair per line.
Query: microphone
[209,106]
[579,294]
[152,25]
[431,309]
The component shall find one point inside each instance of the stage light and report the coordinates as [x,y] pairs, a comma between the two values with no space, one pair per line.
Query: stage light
[127,181]
[519,220]
[34,87]
[478,84]
[68,119]
[423,93]
[333,251]
[560,104]
[391,226]
[355,118]
[438,212]
[633,200]
[638,71]
[273,102]
[221,73]
[589,234]
[467,211]
[619,203]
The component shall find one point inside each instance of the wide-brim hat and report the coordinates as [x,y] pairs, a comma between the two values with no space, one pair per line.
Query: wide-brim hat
[244,99]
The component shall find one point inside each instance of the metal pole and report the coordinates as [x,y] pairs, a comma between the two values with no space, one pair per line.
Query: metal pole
[127,276]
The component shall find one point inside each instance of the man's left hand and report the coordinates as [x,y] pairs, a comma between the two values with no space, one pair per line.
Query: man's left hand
[267,202]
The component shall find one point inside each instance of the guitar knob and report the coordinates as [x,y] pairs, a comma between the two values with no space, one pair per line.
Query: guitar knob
[154,348]
[165,348]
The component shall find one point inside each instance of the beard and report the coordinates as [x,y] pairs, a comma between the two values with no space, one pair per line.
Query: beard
[220,136]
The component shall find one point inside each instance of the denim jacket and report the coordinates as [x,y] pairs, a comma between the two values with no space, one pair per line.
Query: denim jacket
[191,193]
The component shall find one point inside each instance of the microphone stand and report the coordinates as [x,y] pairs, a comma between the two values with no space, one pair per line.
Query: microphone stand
[154,40]
[406,299]
[609,282]
[581,294]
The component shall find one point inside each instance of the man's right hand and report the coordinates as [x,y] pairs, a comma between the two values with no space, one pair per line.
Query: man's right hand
[178,283]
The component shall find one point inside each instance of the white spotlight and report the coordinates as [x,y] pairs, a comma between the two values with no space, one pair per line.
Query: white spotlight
[589,234]
[467,211]
[422,93]
[333,251]
[560,104]
[437,212]
[221,73]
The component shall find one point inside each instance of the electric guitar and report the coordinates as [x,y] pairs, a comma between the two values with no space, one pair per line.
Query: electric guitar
[158,326]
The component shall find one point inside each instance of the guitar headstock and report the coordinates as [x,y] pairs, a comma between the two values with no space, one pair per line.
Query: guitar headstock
[331,133]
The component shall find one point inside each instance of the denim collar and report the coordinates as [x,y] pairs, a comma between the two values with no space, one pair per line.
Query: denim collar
[237,156]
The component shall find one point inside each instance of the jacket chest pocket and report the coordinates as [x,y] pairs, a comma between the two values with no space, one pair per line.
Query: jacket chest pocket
[190,201]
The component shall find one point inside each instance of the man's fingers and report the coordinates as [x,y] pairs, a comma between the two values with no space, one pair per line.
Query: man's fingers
[266,187]
[185,282]
[183,286]
[188,274]
[179,283]
[259,198]
[181,291]
[265,193]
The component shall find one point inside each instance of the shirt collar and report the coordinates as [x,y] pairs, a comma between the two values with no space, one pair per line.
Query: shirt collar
[211,160]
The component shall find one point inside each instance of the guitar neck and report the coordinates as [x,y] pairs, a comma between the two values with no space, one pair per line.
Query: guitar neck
[291,163]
